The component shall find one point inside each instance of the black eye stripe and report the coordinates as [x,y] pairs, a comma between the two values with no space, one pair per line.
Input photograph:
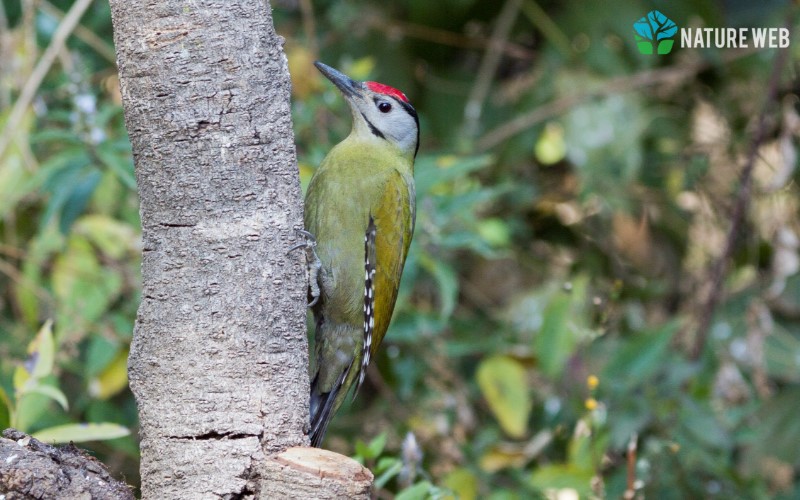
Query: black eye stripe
[373,128]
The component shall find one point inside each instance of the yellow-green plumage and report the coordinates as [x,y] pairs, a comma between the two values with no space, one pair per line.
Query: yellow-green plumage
[364,184]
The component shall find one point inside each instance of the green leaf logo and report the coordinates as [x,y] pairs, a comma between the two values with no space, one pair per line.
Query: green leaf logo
[655,33]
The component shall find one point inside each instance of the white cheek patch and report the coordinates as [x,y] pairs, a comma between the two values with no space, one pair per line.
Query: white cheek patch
[402,130]
[400,126]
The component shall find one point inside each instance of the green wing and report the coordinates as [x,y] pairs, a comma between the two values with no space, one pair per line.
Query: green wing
[386,242]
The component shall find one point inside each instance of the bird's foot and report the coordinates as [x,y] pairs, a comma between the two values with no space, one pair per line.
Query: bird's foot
[313,264]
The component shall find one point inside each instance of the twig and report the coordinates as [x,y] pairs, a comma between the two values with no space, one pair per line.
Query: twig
[25,98]
[83,33]
[5,95]
[630,490]
[20,279]
[488,68]
[11,251]
[613,86]
[3,20]
[539,18]
[444,37]
[309,26]
[720,266]
[28,25]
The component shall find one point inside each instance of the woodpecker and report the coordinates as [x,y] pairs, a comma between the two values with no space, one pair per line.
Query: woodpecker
[360,209]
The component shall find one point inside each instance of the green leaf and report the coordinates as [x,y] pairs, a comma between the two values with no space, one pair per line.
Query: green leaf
[65,171]
[550,147]
[504,385]
[499,457]
[28,291]
[579,449]
[119,164]
[31,408]
[56,135]
[703,426]
[113,379]
[20,379]
[84,288]
[463,482]
[361,451]
[80,433]
[562,476]
[114,238]
[418,491]
[51,392]
[504,495]
[777,430]
[495,232]
[432,170]
[375,447]
[577,473]
[447,281]
[782,354]
[16,182]
[100,353]
[641,357]
[42,350]
[6,409]
[387,468]
[561,327]
[554,344]
[78,198]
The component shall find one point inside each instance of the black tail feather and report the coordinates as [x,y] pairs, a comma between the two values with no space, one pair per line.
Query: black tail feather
[321,408]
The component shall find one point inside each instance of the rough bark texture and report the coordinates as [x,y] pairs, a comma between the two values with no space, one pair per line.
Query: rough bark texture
[32,469]
[218,363]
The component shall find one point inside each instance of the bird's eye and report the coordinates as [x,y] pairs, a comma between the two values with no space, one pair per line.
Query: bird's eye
[384,107]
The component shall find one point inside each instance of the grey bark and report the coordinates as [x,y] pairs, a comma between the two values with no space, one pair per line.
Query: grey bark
[32,469]
[218,362]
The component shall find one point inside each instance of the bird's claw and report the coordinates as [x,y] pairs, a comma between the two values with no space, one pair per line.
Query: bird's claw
[313,264]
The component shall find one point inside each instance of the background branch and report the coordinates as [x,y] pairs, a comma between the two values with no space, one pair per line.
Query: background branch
[65,28]
[636,81]
[741,203]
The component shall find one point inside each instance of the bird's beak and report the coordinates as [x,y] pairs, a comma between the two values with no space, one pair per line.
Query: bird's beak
[347,85]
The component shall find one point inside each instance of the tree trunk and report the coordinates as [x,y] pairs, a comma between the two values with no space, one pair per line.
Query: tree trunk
[218,362]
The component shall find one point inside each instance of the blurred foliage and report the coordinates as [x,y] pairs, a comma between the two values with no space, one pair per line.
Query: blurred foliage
[573,195]
[34,387]
[69,238]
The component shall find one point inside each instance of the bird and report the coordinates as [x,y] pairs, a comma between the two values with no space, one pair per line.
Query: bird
[360,216]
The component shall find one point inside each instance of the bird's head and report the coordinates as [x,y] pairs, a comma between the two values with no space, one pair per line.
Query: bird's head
[380,112]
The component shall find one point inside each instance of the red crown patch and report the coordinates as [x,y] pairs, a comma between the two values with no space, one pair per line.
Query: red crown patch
[385,89]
